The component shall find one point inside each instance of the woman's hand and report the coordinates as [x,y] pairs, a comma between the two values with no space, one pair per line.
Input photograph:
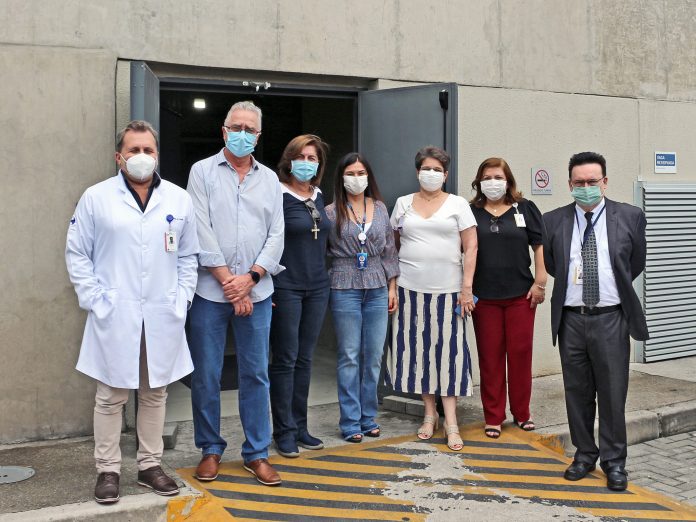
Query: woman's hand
[466,301]
[536,295]
[393,300]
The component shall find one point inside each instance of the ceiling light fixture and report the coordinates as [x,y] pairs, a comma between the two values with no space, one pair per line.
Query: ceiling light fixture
[198,103]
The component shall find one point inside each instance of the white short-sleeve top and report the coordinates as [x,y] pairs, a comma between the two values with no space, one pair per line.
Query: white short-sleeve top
[430,257]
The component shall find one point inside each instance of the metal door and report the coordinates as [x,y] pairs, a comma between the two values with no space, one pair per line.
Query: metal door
[394,123]
[145,98]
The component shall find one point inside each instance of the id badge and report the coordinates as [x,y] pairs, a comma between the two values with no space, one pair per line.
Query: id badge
[519,220]
[361,260]
[170,243]
[577,274]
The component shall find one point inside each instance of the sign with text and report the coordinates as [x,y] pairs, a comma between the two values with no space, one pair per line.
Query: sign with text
[541,181]
[665,162]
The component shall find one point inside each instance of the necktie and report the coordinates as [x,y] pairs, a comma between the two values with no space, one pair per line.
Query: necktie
[590,284]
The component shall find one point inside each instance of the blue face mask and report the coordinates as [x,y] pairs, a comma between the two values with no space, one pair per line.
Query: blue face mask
[304,170]
[240,143]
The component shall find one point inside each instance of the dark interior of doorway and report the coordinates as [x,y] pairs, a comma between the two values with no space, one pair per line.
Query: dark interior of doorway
[188,135]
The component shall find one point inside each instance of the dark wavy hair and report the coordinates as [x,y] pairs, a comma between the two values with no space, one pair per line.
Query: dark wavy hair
[340,198]
[512,195]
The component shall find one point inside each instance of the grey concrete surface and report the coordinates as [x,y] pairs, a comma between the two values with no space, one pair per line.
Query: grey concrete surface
[65,469]
[666,465]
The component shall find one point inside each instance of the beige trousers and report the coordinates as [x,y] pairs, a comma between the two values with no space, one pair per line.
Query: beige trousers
[108,415]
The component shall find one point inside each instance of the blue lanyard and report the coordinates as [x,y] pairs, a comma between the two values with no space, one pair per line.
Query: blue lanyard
[364,219]
[588,229]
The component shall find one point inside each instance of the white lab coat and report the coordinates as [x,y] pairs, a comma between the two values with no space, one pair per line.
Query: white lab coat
[124,278]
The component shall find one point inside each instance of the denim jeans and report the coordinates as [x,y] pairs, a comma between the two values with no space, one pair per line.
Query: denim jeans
[360,320]
[298,316]
[207,331]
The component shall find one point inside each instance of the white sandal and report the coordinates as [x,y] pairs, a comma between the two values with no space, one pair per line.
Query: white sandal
[455,443]
[430,424]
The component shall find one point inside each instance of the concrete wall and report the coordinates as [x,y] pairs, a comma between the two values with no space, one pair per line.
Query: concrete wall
[55,138]
[619,48]
[520,65]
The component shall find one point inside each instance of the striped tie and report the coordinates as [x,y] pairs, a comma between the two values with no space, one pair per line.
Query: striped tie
[590,285]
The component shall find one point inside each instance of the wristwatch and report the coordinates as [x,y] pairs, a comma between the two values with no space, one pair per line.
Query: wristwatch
[255,276]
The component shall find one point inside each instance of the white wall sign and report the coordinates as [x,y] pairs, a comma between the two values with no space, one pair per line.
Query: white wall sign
[541,181]
[665,162]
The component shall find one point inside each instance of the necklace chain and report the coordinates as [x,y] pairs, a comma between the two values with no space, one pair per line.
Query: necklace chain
[431,199]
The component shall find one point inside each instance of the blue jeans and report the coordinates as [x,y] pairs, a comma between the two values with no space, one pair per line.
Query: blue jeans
[297,320]
[207,331]
[360,320]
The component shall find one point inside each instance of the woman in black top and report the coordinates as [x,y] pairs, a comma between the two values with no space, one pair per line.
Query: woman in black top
[301,292]
[508,293]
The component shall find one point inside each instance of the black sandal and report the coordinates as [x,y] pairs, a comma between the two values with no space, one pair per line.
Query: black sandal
[355,438]
[373,433]
[492,433]
[527,425]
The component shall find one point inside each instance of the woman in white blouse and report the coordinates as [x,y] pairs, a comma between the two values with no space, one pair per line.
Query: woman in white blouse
[428,353]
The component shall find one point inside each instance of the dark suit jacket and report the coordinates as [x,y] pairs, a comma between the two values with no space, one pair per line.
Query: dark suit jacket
[626,237]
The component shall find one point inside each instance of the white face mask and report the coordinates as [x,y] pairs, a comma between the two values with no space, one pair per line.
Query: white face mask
[355,184]
[140,167]
[431,180]
[494,189]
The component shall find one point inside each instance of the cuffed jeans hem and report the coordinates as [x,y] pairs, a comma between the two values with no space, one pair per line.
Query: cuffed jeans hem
[212,450]
[255,456]
[374,426]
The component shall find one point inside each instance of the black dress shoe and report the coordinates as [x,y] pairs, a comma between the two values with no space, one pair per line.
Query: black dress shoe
[578,470]
[617,478]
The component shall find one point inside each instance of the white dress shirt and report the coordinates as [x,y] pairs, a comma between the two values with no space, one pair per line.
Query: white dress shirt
[608,293]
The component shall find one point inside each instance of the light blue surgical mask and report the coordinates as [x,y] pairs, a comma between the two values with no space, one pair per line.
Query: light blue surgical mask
[304,170]
[586,196]
[240,143]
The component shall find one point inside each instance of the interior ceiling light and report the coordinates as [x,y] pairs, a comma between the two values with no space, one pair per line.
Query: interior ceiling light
[198,103]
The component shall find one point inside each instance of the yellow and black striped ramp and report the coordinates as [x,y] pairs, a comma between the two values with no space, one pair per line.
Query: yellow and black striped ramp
[409,480]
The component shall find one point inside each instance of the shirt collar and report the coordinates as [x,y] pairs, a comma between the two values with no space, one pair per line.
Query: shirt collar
[220,159]
[595,211]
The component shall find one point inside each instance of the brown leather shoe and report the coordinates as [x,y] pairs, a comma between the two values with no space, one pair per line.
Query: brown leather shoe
[158,481]
[207,469]
[263,472]
[106,490]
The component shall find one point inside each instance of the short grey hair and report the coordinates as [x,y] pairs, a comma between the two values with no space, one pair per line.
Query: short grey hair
[244,106]
[136,126]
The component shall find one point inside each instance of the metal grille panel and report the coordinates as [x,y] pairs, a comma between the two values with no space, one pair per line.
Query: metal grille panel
[668,285]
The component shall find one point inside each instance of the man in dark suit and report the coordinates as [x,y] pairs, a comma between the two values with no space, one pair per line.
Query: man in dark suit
[594,250]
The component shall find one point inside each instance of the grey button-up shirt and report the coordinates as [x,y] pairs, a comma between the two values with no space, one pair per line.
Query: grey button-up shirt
[239,225]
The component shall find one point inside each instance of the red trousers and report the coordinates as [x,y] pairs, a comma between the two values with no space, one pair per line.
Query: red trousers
[504,330]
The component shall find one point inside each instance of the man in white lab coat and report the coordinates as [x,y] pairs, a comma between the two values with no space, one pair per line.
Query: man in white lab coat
[132,256]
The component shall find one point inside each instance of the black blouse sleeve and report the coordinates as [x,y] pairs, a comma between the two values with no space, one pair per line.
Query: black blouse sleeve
[534,222]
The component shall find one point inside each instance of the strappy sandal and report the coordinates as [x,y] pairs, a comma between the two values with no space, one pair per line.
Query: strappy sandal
[355,438]
[527,425]
[430,424]
[454,439]
[492,433]
[373,433]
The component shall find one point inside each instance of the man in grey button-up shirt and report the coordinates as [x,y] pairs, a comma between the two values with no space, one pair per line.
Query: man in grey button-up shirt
[239,211]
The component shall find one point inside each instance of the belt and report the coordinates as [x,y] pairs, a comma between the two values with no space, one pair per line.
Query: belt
[592,310]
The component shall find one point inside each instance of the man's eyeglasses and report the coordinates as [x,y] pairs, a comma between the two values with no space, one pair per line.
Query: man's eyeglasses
[312,208]
[495,228]
[587,183]
[237,128]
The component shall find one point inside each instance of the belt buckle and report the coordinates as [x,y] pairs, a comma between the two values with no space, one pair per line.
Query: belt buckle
[582,310]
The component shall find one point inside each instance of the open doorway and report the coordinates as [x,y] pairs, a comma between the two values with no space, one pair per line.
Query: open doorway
[189,133]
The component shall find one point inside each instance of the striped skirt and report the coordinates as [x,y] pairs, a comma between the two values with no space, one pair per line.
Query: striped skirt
[428,351]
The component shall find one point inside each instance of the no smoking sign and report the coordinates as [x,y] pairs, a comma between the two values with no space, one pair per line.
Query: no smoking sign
[541,180]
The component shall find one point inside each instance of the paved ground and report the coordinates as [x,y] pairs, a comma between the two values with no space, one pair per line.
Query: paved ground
[512,478]
[666,465]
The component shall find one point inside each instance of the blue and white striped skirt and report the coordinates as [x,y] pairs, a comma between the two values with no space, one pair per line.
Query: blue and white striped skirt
[428,351]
